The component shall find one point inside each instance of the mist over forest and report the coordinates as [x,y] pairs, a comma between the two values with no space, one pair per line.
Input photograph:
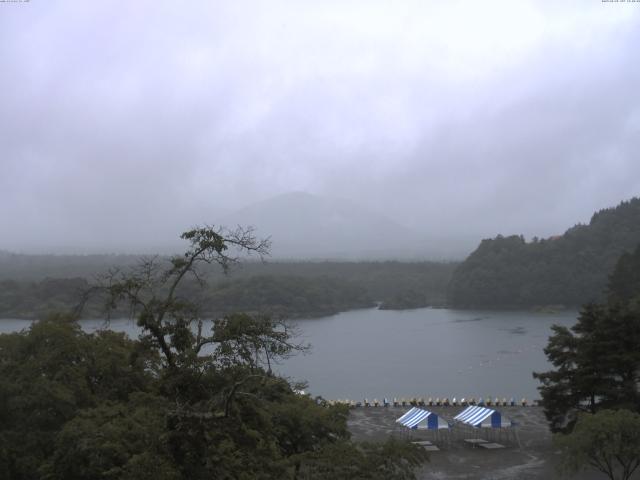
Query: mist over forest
[123,128]
[319,240]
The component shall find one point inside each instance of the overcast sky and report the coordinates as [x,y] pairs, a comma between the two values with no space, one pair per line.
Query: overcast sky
[123,123]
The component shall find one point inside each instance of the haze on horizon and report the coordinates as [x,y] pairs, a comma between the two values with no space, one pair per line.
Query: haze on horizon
[124,124]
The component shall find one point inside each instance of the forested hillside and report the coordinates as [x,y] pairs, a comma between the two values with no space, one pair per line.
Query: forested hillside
[292,289]
[568,270]
[80,406]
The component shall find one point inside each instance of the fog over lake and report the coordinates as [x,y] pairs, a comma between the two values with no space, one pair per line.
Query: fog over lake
[424,352]
[457,120]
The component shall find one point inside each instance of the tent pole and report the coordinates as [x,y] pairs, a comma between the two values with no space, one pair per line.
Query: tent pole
[515,432]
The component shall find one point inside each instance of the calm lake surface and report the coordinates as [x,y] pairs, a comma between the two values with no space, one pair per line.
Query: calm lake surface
[424,352]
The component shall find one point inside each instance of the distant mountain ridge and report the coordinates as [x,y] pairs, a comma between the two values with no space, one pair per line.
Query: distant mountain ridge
[302,225]
[571,269]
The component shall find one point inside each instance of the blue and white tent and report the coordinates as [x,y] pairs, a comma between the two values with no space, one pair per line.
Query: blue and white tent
[482,417]
[418,418]
[489,421]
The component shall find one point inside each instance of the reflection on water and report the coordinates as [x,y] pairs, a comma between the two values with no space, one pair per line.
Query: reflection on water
[517,330]
[474,319]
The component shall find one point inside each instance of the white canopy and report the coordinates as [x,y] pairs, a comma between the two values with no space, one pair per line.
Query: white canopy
[418,418]
[482,417]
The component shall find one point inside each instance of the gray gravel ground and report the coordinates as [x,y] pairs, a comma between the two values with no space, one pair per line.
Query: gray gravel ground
[459,460]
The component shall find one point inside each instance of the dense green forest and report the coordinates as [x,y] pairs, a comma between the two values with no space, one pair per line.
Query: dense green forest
[28,288]
[597,361]
[79,406]
[568,270]
[591,395]
[505,272]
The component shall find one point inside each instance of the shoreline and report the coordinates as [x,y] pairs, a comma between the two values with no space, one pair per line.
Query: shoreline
[295,316]
[439,402]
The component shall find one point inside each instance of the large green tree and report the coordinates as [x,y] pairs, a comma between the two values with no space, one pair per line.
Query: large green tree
[188,400]
[597,361]
[608,441]
[52,372]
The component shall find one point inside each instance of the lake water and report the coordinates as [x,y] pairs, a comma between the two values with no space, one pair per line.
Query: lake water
[424,352]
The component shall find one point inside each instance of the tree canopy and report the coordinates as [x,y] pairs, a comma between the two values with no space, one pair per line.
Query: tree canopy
[291,289]
[608,441]
[597,361]
[569,269]
[189,399]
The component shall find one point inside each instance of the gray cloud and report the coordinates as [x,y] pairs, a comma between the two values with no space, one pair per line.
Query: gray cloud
[123,124]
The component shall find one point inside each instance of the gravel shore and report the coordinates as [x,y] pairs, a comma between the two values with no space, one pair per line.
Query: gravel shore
[458,460]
